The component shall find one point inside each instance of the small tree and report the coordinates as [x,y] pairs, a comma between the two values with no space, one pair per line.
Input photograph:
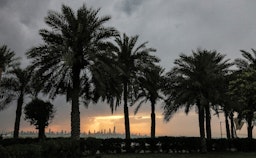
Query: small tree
[39,113]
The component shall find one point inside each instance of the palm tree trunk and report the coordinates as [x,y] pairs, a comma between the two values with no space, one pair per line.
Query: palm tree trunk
[250,126]
[232,125]
[208,122]
[75,113]
[41,132]
[153,120]
[227,124]
[1,71]
[18,116]
[126,113]
[201,126]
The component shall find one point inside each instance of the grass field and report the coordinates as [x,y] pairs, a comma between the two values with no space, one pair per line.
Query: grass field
[193,155]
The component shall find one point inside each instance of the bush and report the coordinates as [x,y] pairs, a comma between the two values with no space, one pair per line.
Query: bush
[92,145]
[112,145]
[3,152]
[24,151]
[63,148]
[12,141]
[244,144]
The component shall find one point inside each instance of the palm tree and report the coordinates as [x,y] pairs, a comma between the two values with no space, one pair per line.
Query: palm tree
[242,89]
[132,61]
[227,103]
[151,84]
[70,54]
[15,86]
[194,81]
[7,59]
[181,92]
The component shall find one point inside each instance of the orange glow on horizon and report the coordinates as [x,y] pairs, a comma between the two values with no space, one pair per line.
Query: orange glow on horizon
[138,124]
[179,125]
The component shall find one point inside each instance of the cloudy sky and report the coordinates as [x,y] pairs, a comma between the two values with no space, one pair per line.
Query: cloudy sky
[170,26]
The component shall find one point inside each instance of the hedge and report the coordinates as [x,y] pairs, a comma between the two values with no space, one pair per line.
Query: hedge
[64,147]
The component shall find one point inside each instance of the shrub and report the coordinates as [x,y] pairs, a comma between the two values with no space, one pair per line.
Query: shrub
[3,152]
[12,141]
[112,145]
[63,148]
[24,151]
[243,144]
[92,145]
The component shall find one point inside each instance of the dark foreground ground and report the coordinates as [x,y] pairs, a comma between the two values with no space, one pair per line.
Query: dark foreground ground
[193,155]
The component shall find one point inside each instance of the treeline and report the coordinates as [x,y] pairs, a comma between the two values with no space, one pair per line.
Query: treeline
[88,62]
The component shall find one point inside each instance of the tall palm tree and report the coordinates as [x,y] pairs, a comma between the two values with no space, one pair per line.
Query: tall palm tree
[194,81]
[242,89]
[151,84]
[7,59]
[72,49]
[132,61]
[244,86]
[15,86]
[227,103]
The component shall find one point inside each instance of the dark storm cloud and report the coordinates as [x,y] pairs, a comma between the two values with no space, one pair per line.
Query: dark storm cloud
[3,3]
[130,6]
[20,21]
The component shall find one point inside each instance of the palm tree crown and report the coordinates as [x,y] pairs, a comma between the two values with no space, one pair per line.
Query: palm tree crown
[249,60]
[193,78]
[7,59]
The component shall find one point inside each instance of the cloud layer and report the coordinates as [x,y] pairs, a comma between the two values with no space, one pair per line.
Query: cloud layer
[172,27]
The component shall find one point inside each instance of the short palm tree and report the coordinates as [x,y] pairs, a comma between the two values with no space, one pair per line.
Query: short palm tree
[15,86]
[151,84]
[131,61]
[194,81]
[73,48]
[7,59]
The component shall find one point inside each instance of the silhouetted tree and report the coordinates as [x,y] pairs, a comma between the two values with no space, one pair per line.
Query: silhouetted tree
[227,104]
[66,62]
[15,86]
[151,84]
[132,61]
[242,88]
[39,114]
[193,81]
